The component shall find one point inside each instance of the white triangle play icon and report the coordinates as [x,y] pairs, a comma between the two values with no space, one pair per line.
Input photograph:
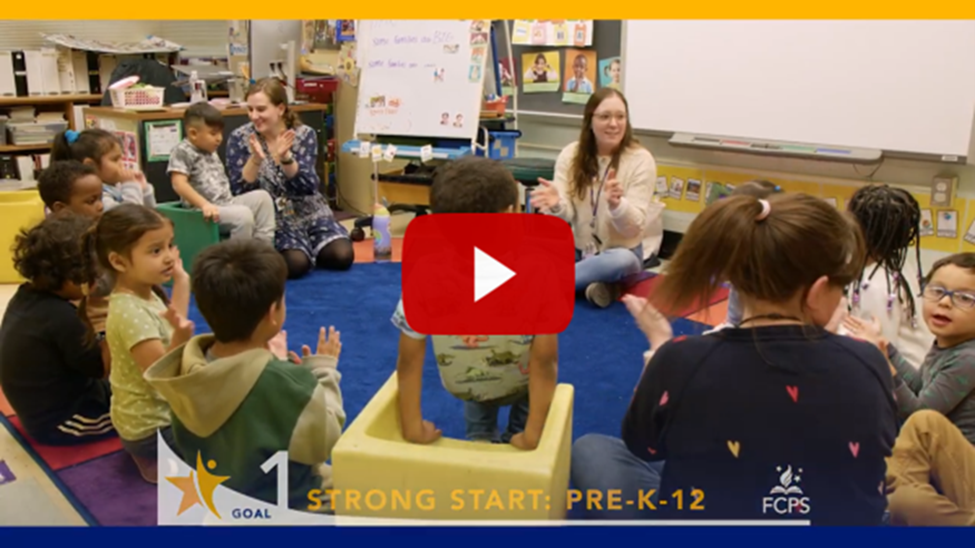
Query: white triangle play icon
[489,274]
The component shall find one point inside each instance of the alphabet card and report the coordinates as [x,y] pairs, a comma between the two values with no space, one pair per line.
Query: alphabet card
[693,193]
[927,223]
[947,223]
[676,187]
[970,235]
[662,185]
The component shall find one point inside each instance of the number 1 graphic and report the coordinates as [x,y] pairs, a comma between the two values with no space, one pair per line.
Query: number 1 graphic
[280,461]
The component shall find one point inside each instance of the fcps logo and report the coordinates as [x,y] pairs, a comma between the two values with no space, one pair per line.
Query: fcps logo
[787,497]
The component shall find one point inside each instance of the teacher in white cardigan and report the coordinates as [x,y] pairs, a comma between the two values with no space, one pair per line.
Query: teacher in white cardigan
[603,187]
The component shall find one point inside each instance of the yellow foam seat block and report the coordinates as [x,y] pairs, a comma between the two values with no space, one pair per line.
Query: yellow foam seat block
[19,209]
[377,473]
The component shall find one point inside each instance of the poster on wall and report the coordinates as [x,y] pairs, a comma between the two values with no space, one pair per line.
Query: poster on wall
[541,71]
[130,151]
[580,73]
[161,138]
[348,68]
[611,73]
[238,37]
[346,30]
[552,32]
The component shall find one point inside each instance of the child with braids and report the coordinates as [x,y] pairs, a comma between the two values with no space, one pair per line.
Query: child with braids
[888,290]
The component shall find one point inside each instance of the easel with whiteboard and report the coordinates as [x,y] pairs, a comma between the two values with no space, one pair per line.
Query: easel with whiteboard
[421,87]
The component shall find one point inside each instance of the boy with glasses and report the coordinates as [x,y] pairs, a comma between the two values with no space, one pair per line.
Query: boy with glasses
[931,474]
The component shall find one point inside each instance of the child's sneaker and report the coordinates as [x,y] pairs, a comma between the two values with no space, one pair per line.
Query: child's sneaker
[602,294]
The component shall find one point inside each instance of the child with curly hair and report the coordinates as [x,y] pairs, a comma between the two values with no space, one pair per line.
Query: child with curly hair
[53,375]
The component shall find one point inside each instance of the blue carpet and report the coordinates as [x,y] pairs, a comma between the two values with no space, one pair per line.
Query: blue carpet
[600,354]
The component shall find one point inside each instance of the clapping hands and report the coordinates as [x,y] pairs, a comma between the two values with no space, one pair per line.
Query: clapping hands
[545,196]
[282,145]
[329,344]
[613,190]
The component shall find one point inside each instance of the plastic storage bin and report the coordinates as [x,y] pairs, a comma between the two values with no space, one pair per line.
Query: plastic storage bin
[19,209]
[148,98]
[34,133]
[501,144]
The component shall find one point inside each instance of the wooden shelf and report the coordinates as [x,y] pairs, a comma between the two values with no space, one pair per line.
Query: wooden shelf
[24,148]
[47,100]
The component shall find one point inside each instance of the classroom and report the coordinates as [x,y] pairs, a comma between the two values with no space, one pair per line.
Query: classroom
[761,242]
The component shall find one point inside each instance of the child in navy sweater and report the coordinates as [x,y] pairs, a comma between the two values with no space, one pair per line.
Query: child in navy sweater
[754,422]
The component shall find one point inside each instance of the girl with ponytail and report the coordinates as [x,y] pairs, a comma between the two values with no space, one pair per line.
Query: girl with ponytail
[102,150]
[279,154]
[773,418]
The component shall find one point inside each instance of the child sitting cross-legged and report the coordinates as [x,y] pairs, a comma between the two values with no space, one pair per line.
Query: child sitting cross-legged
[234,401]
[526,377]
[931,474]
[52,373]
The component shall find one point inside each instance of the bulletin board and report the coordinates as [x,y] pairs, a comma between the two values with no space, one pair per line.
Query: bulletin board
[948,230]
[547,97]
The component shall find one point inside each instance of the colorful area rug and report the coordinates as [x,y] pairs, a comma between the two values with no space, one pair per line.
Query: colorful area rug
[600,353]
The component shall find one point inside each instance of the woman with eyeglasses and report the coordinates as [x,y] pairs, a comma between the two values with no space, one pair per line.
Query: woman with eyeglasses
[603,187]
[931,474]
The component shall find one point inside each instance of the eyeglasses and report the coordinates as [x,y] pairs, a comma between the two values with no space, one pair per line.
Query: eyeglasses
[606,117]
[961,299]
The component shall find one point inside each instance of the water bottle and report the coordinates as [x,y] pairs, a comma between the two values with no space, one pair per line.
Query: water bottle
[382,243]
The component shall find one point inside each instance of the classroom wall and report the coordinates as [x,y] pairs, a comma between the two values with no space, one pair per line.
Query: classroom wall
[544,136]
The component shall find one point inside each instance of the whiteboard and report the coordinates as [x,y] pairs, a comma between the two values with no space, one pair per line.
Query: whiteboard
[897,86]
[421,78]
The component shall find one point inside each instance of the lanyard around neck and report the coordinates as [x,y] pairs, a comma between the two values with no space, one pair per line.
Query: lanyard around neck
[594,200]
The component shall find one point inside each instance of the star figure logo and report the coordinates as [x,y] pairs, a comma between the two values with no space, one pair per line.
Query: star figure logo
[198,487]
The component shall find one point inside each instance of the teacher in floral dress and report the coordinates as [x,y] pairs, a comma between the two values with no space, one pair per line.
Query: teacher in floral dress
[277,153]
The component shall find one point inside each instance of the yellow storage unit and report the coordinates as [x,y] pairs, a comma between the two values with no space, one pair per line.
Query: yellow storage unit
[18,209]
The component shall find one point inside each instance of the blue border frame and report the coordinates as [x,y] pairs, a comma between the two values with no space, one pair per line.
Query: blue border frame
[51,474]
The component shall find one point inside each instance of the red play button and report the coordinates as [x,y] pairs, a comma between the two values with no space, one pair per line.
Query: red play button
[488,274]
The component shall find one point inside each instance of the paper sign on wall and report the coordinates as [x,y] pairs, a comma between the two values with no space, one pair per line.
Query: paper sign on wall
[970,235]
[947,223]
[927,223]
[553,32]
[676,187]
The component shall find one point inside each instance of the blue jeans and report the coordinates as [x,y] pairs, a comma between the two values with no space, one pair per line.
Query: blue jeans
[603,463]
[610,266]
[481,420]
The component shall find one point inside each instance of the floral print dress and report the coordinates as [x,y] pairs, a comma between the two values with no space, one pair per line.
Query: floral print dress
[305,221]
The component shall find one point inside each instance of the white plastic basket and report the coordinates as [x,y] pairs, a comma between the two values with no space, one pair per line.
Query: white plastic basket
[148,98]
